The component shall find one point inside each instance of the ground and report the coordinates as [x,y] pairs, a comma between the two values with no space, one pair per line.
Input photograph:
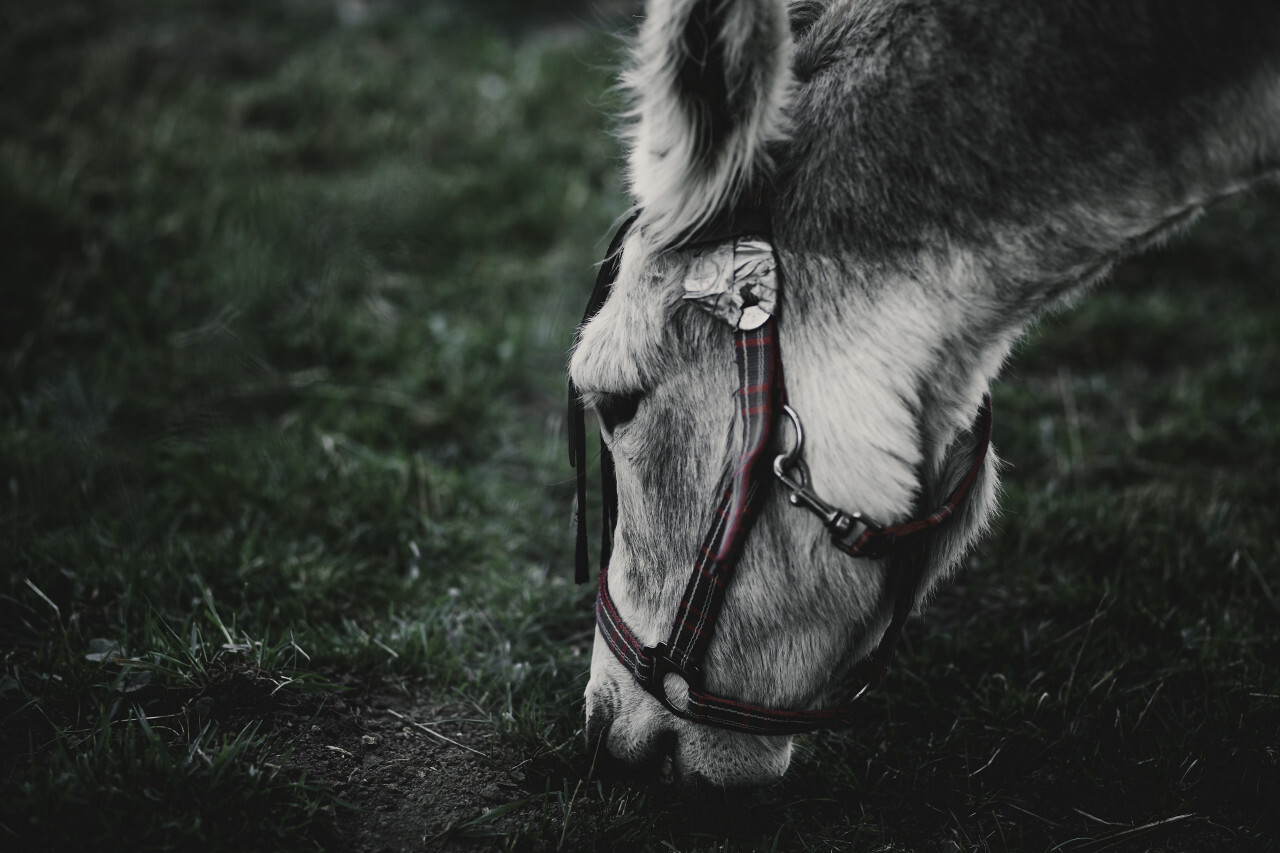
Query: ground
[416,775]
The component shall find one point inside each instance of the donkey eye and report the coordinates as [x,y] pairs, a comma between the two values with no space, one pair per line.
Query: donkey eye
[616,409]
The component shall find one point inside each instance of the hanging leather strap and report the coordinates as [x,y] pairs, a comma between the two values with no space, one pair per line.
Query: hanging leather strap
[605,277]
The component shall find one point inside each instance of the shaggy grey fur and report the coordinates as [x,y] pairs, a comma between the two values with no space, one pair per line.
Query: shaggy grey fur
[949,169]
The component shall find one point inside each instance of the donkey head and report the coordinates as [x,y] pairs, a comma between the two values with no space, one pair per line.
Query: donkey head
[918,231]
[882,405]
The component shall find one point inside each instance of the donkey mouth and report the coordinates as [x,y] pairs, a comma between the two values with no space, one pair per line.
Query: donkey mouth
[660,770]
[661,751]
[656,764]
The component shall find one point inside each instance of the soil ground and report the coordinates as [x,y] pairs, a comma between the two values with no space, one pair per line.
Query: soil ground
[415,771]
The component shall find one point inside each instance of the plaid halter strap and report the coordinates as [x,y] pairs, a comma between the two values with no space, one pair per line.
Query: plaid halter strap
[735,279]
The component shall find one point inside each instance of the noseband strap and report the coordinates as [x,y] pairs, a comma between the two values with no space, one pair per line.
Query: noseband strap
[665,668]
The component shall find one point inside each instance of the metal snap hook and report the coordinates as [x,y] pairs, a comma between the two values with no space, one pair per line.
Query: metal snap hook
[791,471]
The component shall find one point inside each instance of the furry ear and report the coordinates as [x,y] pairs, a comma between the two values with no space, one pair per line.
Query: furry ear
[710,80]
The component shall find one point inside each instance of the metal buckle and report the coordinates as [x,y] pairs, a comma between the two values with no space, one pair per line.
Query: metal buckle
[789,468]
[661,665]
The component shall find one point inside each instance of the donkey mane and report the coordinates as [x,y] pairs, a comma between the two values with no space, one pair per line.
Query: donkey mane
[965,117]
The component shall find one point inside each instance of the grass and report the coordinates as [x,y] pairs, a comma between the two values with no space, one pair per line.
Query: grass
[280,399]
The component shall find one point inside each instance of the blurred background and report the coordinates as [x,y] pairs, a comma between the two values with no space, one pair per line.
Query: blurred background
[274,268]
[286,293]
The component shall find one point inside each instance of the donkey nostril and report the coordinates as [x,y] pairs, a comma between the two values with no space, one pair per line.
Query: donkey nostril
[598,741]
[597,729]
[664,749]
[615,756]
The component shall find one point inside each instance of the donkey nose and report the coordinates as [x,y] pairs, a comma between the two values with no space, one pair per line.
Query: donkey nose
[654,761]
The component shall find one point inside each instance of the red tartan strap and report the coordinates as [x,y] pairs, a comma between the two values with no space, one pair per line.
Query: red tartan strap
[759,396]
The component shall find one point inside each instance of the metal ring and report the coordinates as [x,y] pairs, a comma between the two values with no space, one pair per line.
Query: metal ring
[790,458]
[655,682]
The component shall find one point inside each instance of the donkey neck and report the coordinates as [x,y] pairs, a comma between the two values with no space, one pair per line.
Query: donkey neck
[1047,137]
[984,160]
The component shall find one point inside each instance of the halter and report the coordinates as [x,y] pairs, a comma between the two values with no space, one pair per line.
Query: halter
[734,277]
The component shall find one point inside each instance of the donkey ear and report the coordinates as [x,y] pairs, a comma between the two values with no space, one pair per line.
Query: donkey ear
[710,79]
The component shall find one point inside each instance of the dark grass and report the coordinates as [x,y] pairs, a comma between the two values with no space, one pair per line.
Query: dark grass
[280,382]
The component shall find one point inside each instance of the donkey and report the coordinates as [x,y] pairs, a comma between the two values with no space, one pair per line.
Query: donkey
[931,176]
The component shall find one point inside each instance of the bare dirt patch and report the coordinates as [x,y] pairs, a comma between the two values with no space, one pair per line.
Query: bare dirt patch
[414,772]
